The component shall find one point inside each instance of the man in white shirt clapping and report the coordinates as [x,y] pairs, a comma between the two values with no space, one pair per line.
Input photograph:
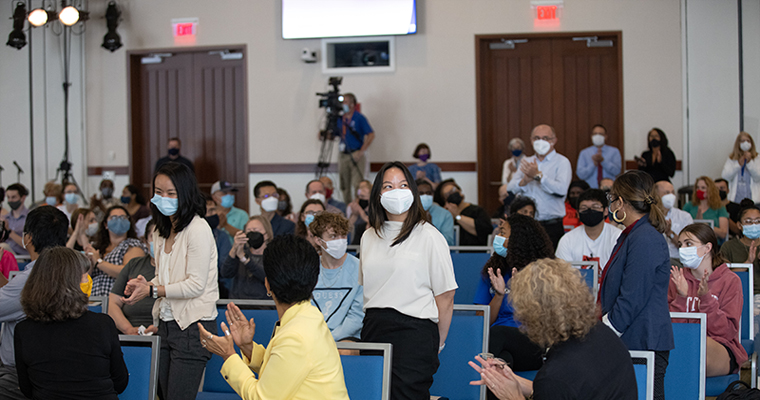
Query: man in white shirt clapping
[677,219]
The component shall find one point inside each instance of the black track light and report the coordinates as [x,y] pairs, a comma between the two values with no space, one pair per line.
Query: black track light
[112,40]
[17,38]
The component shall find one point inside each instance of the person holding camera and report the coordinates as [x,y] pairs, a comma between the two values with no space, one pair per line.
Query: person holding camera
[355,137]
[244,263]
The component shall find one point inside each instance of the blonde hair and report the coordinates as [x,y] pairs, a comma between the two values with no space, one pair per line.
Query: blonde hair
[637,189]
[552,302]
[738,152]
[713,195]
[265,223]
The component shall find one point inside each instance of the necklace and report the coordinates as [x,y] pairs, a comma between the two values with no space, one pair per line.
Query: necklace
[335,280]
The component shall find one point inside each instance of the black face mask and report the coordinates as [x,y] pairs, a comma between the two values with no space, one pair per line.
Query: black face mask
[282,205]
[14,205]
[173,152]
[455,198]
[213,221]
[363,203]
[723,195]
[654,143]
[573,201]
[591,217]
[255,239]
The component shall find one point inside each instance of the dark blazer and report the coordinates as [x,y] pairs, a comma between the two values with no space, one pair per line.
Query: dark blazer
[634,293]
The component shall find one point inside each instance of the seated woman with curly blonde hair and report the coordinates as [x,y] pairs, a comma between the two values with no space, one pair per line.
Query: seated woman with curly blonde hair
[584,358]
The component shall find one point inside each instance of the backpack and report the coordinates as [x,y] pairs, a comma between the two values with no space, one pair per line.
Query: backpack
[738,390]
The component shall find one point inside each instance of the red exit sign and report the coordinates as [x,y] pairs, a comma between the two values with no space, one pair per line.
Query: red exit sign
[546,13]
[184,29]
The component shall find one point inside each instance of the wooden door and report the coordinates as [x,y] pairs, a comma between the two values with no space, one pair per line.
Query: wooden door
[198,97]
[530,79]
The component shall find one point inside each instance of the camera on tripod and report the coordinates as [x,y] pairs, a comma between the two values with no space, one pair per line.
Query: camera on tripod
[332,102]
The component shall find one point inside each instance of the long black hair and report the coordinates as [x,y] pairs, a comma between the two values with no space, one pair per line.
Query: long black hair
[191,200]
[377,215]
[528,242]
[103,239]
[139,198]
[663,137]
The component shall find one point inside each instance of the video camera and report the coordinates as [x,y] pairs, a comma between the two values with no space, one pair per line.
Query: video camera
[332,102]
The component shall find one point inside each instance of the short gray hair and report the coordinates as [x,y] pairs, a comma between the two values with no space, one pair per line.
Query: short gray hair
[515,141]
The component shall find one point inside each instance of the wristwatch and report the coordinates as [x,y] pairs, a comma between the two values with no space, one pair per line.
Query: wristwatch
[153,292]
[458,218]
[538,177]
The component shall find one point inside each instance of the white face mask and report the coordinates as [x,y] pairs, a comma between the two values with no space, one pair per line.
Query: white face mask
[92,229]
[336,248]
[745,146]
[541,147]
[669,200]
[320,197]
[397,201]
[598,140]
[427,201]
[689,257]
[270,204]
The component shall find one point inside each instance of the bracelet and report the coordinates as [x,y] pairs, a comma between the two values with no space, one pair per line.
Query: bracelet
[440,348]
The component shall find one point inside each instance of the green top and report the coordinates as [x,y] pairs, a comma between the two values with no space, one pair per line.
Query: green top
[711,213]
[237,218]
[734,251]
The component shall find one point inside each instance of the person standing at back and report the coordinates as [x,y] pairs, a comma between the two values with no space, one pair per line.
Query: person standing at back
[545,177]
[659,161]
[355,137]
[598,161]
[173,146]
[743,170]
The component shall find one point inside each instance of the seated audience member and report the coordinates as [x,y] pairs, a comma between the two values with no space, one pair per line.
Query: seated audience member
[301,360]
[45,227]
[511,165]
[15,219]
[676,219]
[594,239]
[315,190]
[266,196]
[571,204]
[52,194]
[84,226]
[117,244]
[606,184]
[309,209]
[285,205]
[422,169]
[8,263]
[523,205]
[474,222]
[62,349]
[104,199]
[705,204]
[584,358]
[70,199]
[520,241]
[439,216]
[598,161]
[231,218]
[130,319]
[732,208]
[743,249]
[743,170]
[135,204]
[659,161]
[223,244]
[338,293]
[358,212]
[243,263]
[707,285]
[330,191]
[505,199]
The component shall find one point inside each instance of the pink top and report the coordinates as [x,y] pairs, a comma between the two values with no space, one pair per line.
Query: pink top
[7,263]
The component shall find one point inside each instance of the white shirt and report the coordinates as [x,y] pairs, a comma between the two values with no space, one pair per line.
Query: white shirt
[577,246]
[679,219]
[549,194]
[506,172]
[408,276]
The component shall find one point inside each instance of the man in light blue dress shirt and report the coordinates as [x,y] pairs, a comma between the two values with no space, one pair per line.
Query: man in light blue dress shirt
[598,161]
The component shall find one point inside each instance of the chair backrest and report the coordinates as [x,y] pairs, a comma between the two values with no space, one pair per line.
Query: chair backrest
[685,375]
[263,313]
[456,235]
[12,274]
[468,337]
[746,274]
[705,221]
[590,272]
[643,366]
[98,304]
[367,376]
[467,267]
[141,357]
[353,249]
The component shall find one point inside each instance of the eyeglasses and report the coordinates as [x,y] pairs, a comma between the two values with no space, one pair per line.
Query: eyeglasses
[314,213]
[266,196]
[751,222]
[115,217]
[611,198]
[547,138]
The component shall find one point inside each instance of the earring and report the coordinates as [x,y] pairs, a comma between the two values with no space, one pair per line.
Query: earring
[269,294]
[615,217]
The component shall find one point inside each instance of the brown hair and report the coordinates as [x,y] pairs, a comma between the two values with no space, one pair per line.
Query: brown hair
[301,229]
[713,196]
[420,147]
[326,220]
[705,235]
[52,292]
[552,302]
[103,239]
[53,189]
[637,189]
[265,223]
[75,215]
[738,152]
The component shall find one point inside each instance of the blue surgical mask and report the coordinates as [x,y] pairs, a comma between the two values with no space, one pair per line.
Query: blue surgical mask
[119,226]
[516,152]
[308,219]
[427,201]
[71,198]
[689,257]
[152,251]
[51,200]
[346,108]
[498,245]
[165,205]
[228,200]
[126,199]
[751,231]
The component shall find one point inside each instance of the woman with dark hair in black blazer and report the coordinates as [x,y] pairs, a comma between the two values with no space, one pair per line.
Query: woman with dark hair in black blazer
[659,161]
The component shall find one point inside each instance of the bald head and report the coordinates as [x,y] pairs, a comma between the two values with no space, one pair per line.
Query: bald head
[545,133]
[543,130]
[664,187]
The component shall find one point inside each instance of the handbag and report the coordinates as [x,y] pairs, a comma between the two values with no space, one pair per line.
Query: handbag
[739,390]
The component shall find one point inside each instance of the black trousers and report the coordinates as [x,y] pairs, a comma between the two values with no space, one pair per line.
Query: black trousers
[182,359]
[415,350]
[554,229]
[660,365]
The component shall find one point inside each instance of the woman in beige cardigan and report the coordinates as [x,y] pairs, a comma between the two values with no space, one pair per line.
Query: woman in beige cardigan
[185,285]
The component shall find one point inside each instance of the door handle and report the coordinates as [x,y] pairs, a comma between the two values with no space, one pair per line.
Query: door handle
[505,44]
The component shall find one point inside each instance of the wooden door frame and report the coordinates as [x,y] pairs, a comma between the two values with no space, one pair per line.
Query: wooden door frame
[480,101]
[134,110]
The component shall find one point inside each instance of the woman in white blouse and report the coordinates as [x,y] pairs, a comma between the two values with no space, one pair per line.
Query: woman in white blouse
[185,285]
[742,170]
[408,280]
[512,164]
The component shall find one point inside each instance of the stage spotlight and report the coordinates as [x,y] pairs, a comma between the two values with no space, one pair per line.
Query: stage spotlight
[17,38]
[69,16]
[112,40]
[38,17]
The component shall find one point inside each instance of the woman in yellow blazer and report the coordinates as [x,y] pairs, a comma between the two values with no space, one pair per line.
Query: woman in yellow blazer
[301,361]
